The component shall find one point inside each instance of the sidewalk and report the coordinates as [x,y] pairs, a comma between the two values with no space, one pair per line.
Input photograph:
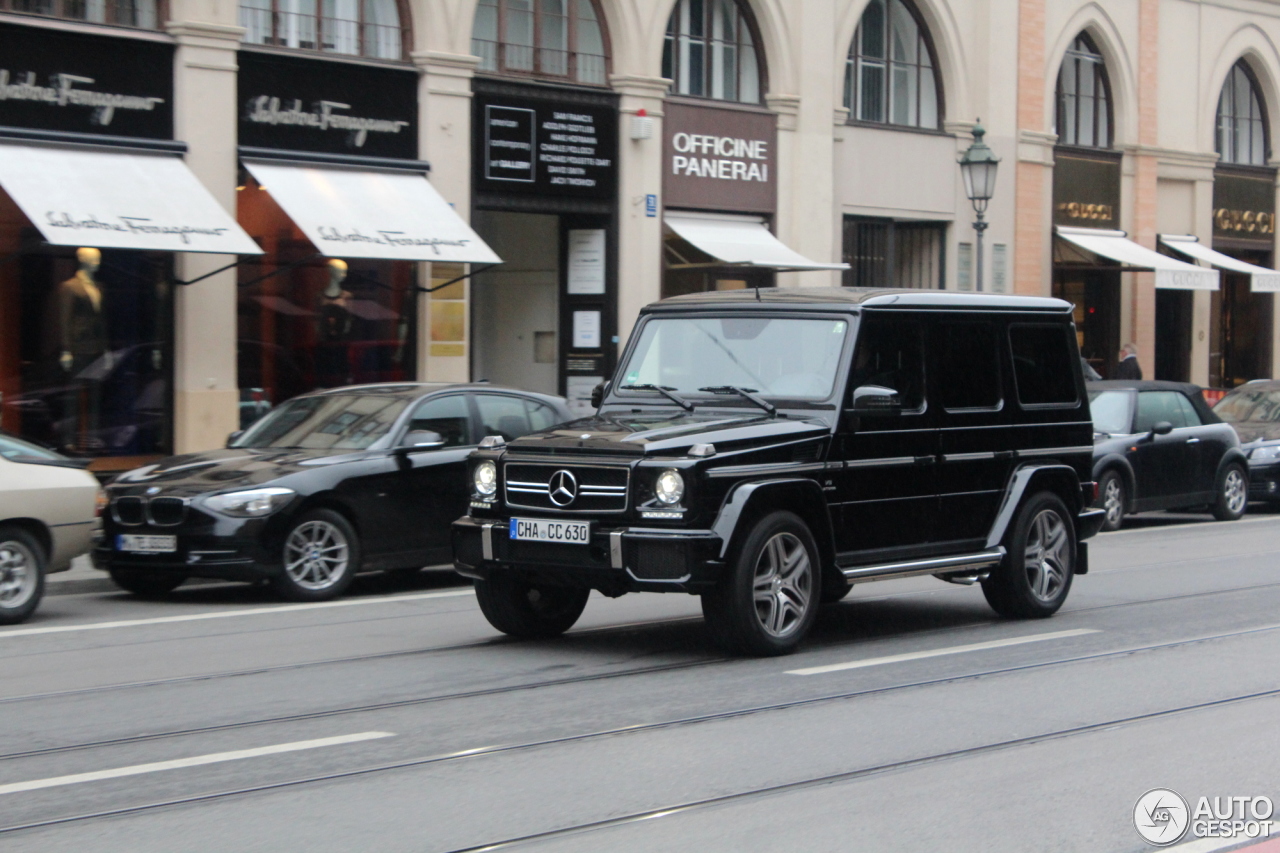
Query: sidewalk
[80,578]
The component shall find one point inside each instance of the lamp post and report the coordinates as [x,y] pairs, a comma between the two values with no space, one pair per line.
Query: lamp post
[978,167]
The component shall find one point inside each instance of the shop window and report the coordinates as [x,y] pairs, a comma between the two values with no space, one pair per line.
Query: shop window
[1242,135]
[890,75]
[1084,97]
[1042,370]
[145,14]
[306,322]
[372,28]
[884,253]
[556,39]
[710,52]
[85,347]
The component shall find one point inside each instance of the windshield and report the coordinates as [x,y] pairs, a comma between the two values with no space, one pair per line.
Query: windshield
[16,450]
[1112,411]
[1258,405]
[792,358]
[328,422]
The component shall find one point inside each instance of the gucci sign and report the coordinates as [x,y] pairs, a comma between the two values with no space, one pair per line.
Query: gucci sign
[1079,210]
[1244,221]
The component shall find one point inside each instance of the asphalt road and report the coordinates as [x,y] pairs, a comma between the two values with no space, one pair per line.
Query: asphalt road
[396,719]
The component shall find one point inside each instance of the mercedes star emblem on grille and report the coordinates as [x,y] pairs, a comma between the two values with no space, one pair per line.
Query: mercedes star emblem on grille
[562,488]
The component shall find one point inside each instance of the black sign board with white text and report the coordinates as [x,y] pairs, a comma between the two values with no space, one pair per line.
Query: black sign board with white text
[301,104]
[69,81]
[544,141]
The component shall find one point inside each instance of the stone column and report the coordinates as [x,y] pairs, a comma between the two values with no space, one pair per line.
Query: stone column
[206,392]
[1033,233]
[1142,326]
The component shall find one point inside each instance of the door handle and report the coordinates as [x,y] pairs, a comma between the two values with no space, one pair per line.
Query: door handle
[1193,441]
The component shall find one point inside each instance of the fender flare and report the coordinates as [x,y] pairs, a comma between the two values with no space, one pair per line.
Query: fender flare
[1115,460]
[741,497]
[1233,454]
[1019,485]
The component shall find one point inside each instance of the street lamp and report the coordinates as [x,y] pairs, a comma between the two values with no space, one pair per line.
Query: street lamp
[978,166]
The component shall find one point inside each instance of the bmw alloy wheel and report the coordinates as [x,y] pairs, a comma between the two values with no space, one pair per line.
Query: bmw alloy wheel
[19,574]
[783,585]
[316,555]
[1048,555]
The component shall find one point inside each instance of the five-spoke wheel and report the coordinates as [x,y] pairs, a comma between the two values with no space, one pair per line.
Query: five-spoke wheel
[1035,576]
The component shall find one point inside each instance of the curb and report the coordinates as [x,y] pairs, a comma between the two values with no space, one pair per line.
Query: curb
[81,586]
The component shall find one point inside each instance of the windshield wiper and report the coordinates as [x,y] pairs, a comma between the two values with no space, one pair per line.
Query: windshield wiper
[664,390]
[744,393]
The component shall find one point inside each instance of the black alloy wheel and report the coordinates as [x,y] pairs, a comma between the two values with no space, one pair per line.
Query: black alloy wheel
[145,584]
[769,598]
[1035,576]
[22,567]
[529,611]
[1233,493]
[1112,498]
[321,556]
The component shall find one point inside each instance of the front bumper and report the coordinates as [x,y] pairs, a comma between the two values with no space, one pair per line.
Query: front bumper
[231,550]
[617,559]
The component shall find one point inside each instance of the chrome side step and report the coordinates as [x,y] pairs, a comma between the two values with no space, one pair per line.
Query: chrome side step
[935,565]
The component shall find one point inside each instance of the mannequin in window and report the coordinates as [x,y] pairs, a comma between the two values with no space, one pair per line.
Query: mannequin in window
[336,320]
[81,341]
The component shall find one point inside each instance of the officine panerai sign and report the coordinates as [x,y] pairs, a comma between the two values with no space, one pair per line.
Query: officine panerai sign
[719,158]
[68,81]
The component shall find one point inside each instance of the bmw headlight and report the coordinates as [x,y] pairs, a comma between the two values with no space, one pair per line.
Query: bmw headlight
[485,478]
[669,487]
[253,503]
[1265,453]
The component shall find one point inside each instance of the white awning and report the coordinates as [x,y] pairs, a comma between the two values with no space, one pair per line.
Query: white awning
[353,213]
[740,241]
[1171,273]
[118,200]
[1261,279]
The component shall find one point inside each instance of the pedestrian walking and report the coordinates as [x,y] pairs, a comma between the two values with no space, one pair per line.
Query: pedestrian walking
[1128,368]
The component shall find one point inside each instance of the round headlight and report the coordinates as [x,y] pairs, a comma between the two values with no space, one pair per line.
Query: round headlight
[486,478]
[669,487]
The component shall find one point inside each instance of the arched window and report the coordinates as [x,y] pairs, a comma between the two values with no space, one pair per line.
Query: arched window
[147,14]
[353,27]
[1084,97]
[1242,127]
[710,51]
[560,39]
[889,76]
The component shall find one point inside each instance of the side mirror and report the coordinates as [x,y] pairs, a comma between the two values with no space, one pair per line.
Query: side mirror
[421,439]
[231,439]
[876,400]
[1162,428]
[597,394]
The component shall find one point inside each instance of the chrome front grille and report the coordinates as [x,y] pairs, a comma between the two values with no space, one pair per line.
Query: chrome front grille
[549,487]
[134,511]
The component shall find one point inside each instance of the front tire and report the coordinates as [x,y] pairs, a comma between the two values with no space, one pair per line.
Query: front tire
[1112,498]
[320,557]
[1233,494]
[146,584]
[529,611]
[1033,580]
[22,567]
[769,599]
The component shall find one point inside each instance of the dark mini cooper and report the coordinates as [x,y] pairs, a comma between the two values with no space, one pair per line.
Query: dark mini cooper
[328,484]
[768,449]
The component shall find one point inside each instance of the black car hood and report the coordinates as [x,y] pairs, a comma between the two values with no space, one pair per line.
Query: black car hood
[663,433]
[218,470]
[1251,431]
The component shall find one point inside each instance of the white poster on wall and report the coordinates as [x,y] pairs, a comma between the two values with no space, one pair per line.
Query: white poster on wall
[586,329]
[577,392]
[586,261]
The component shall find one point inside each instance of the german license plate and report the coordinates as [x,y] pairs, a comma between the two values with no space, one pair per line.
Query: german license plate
[140,543]
[540,530]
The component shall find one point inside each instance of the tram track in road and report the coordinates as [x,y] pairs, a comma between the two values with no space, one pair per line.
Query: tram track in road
[688,805]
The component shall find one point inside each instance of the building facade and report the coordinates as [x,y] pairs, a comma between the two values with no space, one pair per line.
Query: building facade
[608,153]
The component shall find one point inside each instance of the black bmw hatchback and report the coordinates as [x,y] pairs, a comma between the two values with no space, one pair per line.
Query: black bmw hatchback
[327,485]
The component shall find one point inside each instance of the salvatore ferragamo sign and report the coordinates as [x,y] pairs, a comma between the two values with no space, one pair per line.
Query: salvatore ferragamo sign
[719,158]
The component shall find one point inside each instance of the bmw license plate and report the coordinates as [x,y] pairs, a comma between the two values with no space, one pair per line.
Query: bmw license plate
[141,543]
[540,530]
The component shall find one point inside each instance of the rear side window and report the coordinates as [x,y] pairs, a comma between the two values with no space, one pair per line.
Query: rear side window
[446,416]
[891,354]
[1042,364]
[542,417]
[503,415]
[968,365]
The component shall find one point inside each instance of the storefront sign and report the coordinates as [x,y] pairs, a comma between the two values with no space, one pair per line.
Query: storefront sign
[718,158]
[1244,207]
[303,104]
[67,81]
[1086,190]
[537,141]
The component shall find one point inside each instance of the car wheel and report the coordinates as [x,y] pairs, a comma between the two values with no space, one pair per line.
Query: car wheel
[1111,497]
[1233,493]
[769,599]
[146,584]
[320,557]
[22,565]
[529,611]
[1033,579]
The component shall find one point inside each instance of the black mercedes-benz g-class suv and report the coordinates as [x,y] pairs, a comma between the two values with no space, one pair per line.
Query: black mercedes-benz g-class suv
[767,449]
